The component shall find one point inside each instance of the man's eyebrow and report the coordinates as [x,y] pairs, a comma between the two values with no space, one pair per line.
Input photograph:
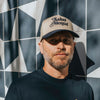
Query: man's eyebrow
[68,36]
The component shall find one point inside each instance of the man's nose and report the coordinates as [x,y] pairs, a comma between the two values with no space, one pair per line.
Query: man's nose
[61,46]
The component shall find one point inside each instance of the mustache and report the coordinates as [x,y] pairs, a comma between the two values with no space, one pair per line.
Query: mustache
[60,52]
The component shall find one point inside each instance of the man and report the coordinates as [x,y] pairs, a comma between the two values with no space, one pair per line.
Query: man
[52,82]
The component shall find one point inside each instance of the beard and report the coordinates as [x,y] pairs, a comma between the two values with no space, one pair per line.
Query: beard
[58,63]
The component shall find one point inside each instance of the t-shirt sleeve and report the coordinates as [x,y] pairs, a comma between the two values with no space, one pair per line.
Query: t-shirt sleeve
[91,94]
[12,93]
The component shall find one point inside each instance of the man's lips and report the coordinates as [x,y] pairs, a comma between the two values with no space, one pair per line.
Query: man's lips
[61,54]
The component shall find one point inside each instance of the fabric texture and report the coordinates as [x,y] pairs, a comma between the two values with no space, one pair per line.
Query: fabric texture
[38,85]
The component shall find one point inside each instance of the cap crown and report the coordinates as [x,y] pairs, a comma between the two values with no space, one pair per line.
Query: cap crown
[55,23]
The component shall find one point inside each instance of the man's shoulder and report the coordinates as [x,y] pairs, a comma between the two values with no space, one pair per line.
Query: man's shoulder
[26,83]
[81,83]
[30,78]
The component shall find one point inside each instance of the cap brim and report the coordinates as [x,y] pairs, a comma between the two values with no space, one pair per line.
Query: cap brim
[53,32]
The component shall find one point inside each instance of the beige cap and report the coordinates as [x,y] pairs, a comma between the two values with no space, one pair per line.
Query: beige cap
[55,24]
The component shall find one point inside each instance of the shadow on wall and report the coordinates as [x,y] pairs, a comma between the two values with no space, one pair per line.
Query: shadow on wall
[80,62]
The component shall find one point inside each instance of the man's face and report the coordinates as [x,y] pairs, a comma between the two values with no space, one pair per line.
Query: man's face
[58,49]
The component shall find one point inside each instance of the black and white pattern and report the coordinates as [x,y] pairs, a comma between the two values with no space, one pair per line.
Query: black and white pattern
[20,22]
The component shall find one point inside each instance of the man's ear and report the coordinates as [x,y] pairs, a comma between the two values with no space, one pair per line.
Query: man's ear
[41,47]
[74,44]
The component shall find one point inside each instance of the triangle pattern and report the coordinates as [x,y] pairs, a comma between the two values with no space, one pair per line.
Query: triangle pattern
[15,28]
[14,66]
[95,73]
[1,54]
[6,89]
[81,32]
[1,98]
[29,9]
[18,65]
[21,60]
[4,5]
[39,6]
[1,67]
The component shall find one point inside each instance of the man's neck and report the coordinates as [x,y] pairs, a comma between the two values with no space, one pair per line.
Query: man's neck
[59,74]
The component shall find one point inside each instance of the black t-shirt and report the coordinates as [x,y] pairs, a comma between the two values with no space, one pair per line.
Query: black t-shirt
[40,86]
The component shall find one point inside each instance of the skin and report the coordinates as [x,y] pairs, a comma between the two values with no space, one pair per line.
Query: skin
[57,57]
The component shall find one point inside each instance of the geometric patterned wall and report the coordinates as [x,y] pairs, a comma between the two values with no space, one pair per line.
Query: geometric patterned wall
[93,45]
[20,22]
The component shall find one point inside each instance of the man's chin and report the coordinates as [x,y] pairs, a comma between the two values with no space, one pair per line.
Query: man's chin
[60,64]
[60,67]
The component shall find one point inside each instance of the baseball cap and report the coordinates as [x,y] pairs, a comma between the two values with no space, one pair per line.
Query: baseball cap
[55,24]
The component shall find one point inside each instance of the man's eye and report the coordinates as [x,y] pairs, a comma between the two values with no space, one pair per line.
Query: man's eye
[53,41]
[66,41]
